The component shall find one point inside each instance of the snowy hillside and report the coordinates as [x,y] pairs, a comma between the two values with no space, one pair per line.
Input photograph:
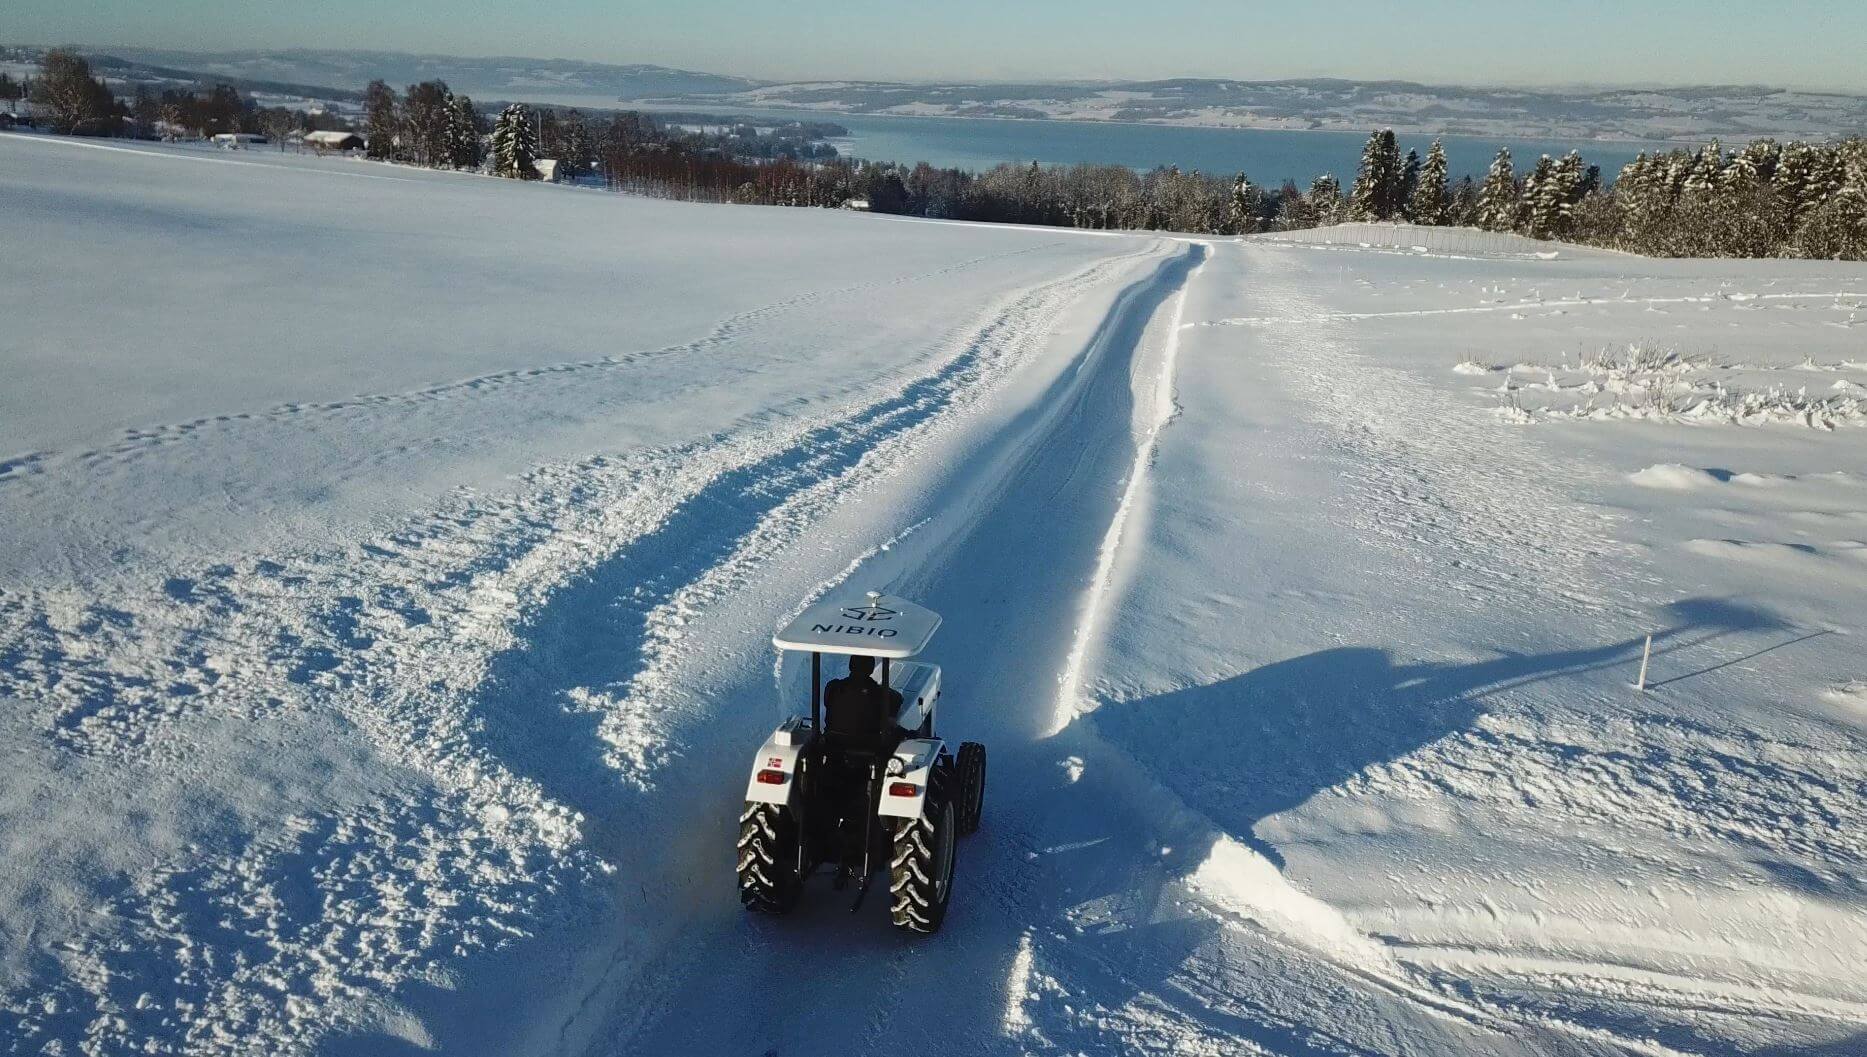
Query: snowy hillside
[491,77]
[391,558]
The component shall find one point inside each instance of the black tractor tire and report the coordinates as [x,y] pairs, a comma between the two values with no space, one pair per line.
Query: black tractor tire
[768,880]
[971,790]
[920,872]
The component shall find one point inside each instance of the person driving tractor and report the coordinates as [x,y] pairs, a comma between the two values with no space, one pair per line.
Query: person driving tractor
[862,784]
[856,703]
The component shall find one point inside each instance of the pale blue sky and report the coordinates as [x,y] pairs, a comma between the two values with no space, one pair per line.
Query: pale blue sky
[1799,43]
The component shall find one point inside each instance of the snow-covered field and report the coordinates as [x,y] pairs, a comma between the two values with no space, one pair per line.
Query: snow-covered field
[390,559]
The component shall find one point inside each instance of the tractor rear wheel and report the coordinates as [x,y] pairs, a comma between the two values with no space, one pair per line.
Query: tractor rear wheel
[768,880]
[971,790]
[920,876]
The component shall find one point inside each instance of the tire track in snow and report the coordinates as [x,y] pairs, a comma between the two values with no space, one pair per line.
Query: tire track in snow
[658,1009]
[404,652]
[1093,613]
[770,503]
[1025,324]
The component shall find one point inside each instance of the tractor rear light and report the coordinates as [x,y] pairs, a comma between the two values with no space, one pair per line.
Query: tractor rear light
[770,777]
[903,789]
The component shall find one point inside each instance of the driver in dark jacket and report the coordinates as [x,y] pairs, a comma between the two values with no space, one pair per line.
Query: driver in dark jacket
[857,704]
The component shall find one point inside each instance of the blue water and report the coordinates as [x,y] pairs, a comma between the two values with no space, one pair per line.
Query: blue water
[1268,156]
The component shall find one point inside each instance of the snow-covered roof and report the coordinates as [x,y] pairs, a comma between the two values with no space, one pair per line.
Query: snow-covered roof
[878,626]
[331,137]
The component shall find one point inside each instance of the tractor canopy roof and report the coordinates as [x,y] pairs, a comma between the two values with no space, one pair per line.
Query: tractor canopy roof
[878,626]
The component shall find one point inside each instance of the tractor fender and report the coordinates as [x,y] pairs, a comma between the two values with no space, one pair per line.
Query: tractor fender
[778,757]
[910,768]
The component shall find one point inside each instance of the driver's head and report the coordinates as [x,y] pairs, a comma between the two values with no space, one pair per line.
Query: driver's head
[861,667]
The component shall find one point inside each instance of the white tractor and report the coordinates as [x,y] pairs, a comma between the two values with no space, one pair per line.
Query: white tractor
[862,783]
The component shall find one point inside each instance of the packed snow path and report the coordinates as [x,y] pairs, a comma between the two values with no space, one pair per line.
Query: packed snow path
[417,719]
[1120,896]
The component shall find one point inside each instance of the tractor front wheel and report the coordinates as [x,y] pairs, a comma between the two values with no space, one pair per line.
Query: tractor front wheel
[920,876]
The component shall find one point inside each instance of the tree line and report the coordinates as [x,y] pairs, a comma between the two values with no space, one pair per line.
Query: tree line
[1766,199]
[78,104]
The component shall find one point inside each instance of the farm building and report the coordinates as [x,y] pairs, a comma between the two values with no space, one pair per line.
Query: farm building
[334,140]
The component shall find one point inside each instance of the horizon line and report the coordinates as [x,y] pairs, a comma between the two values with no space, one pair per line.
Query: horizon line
[1535,87]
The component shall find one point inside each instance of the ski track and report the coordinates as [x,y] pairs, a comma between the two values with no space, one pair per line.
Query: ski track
[400,635]
[143,441]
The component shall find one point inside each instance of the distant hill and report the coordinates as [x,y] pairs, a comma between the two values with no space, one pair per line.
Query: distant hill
[1731,111]
[502,77]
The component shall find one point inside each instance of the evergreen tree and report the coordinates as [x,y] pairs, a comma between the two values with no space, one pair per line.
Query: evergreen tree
[1751,167]
[379,121]
[1378,185]
[463,134]
[1409,182]
[1568,185]
[1463,210]
[1242,214]
[1324,201]
[1497,200]
[515,145]
[1794,182]
[1651,202]
[1702,175]
[1827,176]
[1837,228]
[1539,206]
[1428,204]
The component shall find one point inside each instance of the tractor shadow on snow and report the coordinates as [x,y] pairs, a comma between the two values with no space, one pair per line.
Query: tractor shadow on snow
[1264,741]
[1235,752]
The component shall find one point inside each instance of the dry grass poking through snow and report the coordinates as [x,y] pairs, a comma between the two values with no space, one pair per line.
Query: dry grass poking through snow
[1642,380]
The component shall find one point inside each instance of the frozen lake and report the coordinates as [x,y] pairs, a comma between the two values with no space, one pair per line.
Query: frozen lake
[1269,156]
